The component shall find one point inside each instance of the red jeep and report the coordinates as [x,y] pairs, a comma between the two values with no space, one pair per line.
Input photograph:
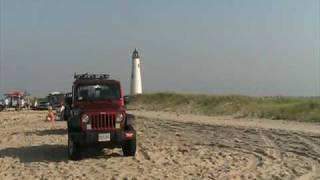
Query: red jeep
[97,116]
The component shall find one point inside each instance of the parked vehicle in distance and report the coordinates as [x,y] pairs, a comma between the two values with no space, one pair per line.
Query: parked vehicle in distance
[42,105]
[2,106]
[14,100]
[98,117]
[67,105]
[56,101]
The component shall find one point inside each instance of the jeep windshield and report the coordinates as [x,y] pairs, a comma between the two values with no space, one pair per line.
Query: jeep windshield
[98,92]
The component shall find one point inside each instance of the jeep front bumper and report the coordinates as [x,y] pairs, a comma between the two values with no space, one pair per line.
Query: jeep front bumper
[117,138]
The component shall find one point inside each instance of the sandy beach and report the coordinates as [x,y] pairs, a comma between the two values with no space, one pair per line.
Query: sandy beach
[170,146]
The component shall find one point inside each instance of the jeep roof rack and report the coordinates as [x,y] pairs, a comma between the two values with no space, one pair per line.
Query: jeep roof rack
[91,76]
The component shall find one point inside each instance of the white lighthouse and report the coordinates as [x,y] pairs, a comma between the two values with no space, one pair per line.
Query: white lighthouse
[136,83]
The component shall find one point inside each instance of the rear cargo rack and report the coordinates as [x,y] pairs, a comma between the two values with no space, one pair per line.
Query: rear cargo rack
[91,76]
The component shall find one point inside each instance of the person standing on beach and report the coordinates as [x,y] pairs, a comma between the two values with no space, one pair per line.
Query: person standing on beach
[51,117]
[6,103]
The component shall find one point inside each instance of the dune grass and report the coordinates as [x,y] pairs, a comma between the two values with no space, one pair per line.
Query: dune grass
[288,108]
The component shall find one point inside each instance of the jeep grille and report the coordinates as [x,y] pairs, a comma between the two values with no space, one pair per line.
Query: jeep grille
[103,121]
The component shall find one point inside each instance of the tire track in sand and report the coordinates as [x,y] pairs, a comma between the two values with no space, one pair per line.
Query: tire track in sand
[275,163]
[253,163]
[272,149]
[314,173]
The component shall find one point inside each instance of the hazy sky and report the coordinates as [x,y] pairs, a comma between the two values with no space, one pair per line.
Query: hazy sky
[251,47]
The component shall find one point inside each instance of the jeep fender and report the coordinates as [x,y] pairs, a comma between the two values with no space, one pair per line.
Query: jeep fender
[74,123]
[130,120]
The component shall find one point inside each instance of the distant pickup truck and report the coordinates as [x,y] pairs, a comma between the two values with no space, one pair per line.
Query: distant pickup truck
[43,105]
[56,101]
[2,106]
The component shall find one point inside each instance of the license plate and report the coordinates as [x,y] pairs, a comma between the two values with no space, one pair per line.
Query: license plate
[104,137]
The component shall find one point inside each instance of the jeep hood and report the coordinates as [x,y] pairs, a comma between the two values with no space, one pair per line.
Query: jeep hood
[99,106]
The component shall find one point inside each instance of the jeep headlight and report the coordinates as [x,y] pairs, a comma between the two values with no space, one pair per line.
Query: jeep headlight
[85,118]
[119,117]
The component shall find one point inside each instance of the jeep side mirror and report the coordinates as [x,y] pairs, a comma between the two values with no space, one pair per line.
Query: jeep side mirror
[126,100]
[68,101]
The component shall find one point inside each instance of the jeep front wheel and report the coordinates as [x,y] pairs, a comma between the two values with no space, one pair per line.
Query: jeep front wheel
[129,147]
[74,150]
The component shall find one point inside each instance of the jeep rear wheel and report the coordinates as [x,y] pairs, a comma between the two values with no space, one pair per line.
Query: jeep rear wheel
[74,150]
[129,147]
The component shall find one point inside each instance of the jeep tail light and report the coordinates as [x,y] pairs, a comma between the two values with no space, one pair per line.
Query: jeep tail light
[85,118]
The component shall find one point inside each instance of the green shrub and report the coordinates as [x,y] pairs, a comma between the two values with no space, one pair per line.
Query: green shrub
[291,108]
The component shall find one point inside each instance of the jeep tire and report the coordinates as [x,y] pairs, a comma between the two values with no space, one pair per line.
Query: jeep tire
[74,150]
[129,148]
